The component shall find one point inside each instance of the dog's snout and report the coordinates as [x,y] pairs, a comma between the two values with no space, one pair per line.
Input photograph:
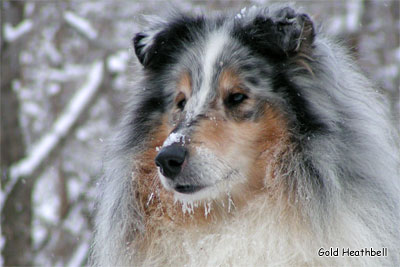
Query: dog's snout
[170,160]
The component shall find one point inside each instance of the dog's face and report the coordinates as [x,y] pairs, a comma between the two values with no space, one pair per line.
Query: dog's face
[222,123]
[222,118]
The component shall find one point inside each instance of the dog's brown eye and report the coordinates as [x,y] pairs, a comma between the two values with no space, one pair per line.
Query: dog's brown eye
[181,104]
[236,99]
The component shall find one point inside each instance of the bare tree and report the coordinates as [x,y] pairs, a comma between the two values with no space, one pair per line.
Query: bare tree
[17,215]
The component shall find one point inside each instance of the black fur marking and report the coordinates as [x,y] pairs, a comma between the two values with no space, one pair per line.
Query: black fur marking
[248,67]
[314,175]
[306,121]
[253,80]
[247,115]
[141,124]
[276,37]
[139,47]
[168,42]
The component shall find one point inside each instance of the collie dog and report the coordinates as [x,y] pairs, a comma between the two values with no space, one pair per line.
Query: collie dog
[251,139]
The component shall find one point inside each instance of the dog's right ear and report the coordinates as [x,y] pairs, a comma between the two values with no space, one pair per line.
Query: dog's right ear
[160,45]
[145,44]
[139,44]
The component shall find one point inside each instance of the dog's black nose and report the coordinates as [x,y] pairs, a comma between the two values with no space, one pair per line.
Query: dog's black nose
[170,160]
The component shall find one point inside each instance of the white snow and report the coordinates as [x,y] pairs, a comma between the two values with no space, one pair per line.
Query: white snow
[53,89]
[26,57]
[29,8]
[74,187]
[81,25]
[396,53]
[174,138]
[42,149]
[207,209]
[82,134]
[118,62]
[45,198]
[79,256]
[52,52]
[349,22]
[69,72]
[75,222]
[32,108]
[389,71]
[2,243]
[150,199]
[241,14]
[231,204]
[188,207]
[62,124]
[11,33]
[353,15]
[336,24]
[39,233]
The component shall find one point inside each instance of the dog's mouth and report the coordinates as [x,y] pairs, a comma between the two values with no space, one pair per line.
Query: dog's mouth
[188,189]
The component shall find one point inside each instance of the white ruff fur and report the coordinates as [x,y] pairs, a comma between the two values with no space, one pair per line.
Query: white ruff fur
[261,235]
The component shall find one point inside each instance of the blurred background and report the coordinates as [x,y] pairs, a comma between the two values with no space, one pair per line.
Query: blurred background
[66,68]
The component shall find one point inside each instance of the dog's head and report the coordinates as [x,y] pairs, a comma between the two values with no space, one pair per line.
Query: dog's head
[225,97]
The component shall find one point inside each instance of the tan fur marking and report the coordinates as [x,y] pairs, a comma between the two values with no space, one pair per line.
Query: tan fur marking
[259,143]
[185,84]
[229,83]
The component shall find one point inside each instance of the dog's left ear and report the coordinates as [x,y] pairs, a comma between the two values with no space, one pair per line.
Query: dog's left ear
[279,33]
[294,32]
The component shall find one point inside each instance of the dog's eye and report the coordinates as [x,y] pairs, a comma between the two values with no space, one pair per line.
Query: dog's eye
[236,99]
[181,104]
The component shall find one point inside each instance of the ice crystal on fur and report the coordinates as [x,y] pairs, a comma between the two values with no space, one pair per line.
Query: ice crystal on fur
[231,204]
[207,209]
[187,206]
[241,14]
[150,199]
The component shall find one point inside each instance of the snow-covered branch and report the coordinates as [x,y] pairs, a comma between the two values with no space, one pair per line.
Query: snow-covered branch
[79,257]
[81,25]
[348,22]
[12,33]
[47,144]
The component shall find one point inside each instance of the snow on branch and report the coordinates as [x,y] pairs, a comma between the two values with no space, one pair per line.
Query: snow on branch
[81,25]
[43,148]
[79,257]
[349,22]
[13,33]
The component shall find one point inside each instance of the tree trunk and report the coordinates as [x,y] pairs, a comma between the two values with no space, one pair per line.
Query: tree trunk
[17,210]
